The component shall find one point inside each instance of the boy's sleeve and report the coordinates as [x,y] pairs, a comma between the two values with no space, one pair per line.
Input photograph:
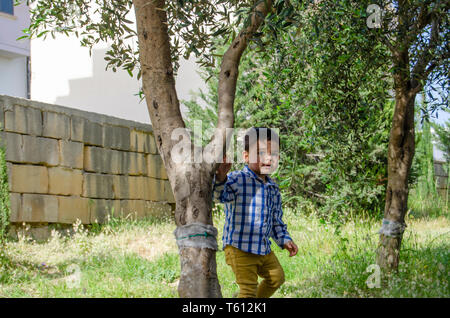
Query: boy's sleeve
[279,228]
[225,191]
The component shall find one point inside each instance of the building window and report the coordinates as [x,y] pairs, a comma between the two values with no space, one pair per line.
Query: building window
[7,6]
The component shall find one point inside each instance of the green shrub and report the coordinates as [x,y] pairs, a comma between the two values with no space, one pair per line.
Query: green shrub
[5,209]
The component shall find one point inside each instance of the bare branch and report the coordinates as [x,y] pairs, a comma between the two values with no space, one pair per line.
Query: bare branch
[418,74]
[423,19]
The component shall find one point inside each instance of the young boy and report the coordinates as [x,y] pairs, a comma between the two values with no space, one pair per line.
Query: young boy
[253,214]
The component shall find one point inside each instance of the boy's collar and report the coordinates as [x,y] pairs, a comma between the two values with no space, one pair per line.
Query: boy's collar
[253,174]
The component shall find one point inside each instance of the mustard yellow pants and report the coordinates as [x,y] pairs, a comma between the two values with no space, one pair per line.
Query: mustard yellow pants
[247,267]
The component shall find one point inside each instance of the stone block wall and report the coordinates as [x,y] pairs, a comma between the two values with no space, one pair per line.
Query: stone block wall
[441,177]
[65,164]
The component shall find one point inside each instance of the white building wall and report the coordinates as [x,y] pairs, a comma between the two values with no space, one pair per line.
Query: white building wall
[63,73]
[13,76]
[11,28]
[13,53]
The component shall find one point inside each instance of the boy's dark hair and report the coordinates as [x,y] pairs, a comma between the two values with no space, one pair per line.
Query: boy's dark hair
[261,133]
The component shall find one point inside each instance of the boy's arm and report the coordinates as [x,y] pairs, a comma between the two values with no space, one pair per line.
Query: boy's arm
[226,190]
[279,229]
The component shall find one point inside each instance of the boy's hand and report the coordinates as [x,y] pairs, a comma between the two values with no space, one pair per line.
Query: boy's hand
[291,247]
[224,167]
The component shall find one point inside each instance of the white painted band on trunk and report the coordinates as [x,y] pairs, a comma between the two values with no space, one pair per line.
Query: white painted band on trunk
[392,228]
[196,235]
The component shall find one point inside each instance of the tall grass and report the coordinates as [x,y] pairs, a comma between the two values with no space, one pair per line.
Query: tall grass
[424,200]
[422,204]
[140,259]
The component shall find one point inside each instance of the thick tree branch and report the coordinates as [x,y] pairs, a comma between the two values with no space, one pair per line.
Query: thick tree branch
[229,71]
[431,67]
[157,75]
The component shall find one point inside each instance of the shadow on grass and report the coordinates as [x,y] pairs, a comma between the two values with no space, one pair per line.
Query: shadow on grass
[99,273]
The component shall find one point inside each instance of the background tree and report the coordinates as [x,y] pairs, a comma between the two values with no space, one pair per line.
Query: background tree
[414,36]
[417,34]
[333,148]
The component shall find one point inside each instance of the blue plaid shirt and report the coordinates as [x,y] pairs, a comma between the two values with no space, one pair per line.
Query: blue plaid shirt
[253,212]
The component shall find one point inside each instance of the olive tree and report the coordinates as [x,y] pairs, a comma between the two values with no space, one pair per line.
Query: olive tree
[416,34]
[164,31]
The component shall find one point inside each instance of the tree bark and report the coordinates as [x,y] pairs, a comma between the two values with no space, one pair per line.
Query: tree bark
[408,82]
[400,155]
[190,182]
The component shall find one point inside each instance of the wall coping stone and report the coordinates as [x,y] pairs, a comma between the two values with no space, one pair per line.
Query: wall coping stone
[9,101]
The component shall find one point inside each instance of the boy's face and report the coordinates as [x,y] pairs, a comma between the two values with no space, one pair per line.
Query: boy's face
[263,158]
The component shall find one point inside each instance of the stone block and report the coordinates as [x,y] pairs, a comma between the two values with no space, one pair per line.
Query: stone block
[129,187]
[168,194]
[83,130]
[158,209]
[155,167]
[29,179]
[55,125]
[441,182]
[142,142]
[99,186]
[2,117]
[25,120]
[9,172]
[132,209]
[444,193]
[40,150]
[137,163]
[104,160]
[39,208]
[13,144]
[116,137]
[439,170]
[73,208]
[16,207]
[71,154]
[154,189]
[100,209]
[64,181]
[95,159]
[40,232]
[121,187]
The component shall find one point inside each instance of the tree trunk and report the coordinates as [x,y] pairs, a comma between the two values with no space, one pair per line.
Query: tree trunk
[198,274]
[400,155]
[198,265]
[408,81]
[190,182]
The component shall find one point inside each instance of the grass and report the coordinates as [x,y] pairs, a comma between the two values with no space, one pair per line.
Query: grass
[424,204]
[140,259]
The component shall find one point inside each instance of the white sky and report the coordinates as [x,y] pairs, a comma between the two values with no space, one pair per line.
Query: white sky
[63,73]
